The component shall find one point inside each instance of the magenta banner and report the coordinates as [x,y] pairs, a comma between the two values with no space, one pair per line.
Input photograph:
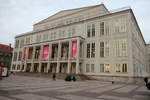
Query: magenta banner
[74,49]
[25,53]
[45,52]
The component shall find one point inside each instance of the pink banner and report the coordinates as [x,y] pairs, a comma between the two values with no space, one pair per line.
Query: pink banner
[45,52]
[74,49]
[24,56]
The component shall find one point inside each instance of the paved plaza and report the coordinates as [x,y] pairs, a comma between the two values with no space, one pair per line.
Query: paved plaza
[35,88]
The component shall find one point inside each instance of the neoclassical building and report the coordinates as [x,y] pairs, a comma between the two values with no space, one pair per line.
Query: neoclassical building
[90,40]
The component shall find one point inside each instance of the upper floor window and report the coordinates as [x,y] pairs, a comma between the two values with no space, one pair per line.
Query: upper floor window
[38,38]
[88,50]
[17,44]
[121,47]
[93,50]
[93,30]
[22,43]
[88,31]
[45,37]
[104,28]
[101,28]
[120,25]
[28,40]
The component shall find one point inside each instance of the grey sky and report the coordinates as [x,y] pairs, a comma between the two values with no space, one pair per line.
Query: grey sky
[18,16]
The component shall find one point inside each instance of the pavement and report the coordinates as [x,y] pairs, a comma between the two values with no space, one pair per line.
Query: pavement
[17,87]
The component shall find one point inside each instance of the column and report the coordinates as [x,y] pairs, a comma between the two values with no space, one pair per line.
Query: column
[58,66]
[25,67]
[69,66]
[48,66]
[50,51]
[32,67]
[78,55]
[59,51]
[40,67]
[70,46]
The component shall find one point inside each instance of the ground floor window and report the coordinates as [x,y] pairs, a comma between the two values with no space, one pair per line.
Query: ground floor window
[104,68]
[121,67]
[90,68]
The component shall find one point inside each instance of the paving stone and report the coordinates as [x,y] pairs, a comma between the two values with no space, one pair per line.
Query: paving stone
[105,89]
[142,97]
[125,89]
[114,97]
[5,98]
[33,97]
[75,97]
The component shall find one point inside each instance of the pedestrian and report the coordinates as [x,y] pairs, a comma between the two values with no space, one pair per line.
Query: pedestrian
[54,76]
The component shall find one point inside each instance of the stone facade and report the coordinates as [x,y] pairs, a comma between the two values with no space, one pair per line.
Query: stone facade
[105,44]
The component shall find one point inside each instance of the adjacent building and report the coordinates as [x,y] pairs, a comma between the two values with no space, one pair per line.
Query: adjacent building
[5,58]
[90,40]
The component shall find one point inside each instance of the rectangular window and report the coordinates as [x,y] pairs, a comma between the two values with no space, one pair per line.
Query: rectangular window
[105,68]
[92,68]
[124,68]
[106,48]
[121,68]
[101,49]
[15,56]
[93,30]
[121,47]
[118,68]
[17,44]
[107,28]
[88,31]
[93,50]
[120,25]
[101,67]
[20,55]
[88,50]
[87,67]
[22,43]
[101,28]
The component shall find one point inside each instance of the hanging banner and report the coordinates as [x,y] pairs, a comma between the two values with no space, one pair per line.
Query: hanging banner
[45,52]
[24,54]
[74,49]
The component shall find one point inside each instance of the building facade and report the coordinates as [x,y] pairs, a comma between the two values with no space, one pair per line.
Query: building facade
[5,58]
[90,40]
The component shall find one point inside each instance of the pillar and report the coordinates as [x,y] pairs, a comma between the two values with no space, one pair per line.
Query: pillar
[58,66]
[68,68]
[48,66]
[40,67]
[78,55]
[70,46]
[59,51]
[32,67]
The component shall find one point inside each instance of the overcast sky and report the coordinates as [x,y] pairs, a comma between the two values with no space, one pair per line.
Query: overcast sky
[18,16]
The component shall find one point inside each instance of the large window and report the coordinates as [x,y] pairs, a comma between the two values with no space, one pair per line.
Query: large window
[93,50]
[121,67]
[101,49]
[105,68]
[17,44]
[93,30]
[120,25]
[15,56]
[87,67]
[104,28]
[88,31]
[101,28]
[90,68]
[88,50]
[121,47]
